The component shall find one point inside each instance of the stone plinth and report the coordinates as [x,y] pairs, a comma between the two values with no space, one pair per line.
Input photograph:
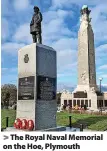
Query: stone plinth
[37,85]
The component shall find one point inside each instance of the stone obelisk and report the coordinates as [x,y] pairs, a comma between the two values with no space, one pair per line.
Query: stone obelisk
[86,53]
[86,92]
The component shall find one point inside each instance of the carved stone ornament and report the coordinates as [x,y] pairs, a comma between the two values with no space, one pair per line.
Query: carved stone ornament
[93,90]
[83,76]
[26,58]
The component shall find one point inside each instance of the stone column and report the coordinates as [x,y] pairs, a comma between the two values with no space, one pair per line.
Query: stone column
[62,102]
[37,85]
[104,104]
[87,102]
[76,101]
[72,102]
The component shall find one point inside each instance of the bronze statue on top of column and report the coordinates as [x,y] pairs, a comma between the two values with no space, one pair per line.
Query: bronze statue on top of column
[35,26]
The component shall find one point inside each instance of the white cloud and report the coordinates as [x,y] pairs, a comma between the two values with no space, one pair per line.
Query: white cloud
[62,3]
[65,43]
[8,70]
[54,25]
[64,75]
[4,29]
[21,4]
[72,66]
[64,13]
[65,60]
[65,85]
[104,84]
[104,75]
[102,48]
[101,55]
[11,48]
[99,22]
[68,3]
[98,14]
[6,7]
[68,70]
[103,67]
[66,54]
[55,30]
[52,14]
[100,73]
[22,34]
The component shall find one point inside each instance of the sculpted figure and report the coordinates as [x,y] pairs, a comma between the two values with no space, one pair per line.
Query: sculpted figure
[93,90]
[35,25]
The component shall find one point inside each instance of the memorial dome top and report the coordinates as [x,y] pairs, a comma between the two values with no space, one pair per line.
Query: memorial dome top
[84,6]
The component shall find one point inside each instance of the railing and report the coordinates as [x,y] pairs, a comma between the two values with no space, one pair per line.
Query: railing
[81,126]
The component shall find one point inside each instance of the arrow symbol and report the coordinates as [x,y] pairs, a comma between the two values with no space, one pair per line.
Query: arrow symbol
[5,137]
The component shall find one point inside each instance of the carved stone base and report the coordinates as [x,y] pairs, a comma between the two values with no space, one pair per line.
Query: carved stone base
[86,88]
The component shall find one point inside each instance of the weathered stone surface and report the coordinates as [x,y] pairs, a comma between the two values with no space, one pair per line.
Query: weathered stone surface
[86,54]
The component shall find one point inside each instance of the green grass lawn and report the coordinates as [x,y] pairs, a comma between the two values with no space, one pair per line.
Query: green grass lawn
[94,122]
[7,113]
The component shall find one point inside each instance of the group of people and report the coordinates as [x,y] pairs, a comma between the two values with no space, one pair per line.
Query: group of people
[70,107]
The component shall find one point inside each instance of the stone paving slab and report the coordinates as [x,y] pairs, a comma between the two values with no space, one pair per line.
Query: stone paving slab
[59,128]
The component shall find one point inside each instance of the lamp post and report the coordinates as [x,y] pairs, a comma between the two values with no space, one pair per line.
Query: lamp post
[100,83]
[100,93]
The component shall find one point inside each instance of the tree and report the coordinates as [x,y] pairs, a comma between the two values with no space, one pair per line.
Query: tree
[8,95]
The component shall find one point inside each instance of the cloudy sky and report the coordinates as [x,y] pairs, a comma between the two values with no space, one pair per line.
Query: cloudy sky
[61,19]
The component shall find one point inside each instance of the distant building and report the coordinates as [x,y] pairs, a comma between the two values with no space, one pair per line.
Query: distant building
[70,98]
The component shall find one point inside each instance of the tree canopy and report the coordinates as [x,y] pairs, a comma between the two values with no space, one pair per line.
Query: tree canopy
[8,94]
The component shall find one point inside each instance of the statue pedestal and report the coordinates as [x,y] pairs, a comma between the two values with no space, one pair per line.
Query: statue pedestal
[37,85]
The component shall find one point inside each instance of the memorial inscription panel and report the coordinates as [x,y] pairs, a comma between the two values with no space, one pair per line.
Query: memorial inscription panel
[26,88]
[80,95]
[46,88]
